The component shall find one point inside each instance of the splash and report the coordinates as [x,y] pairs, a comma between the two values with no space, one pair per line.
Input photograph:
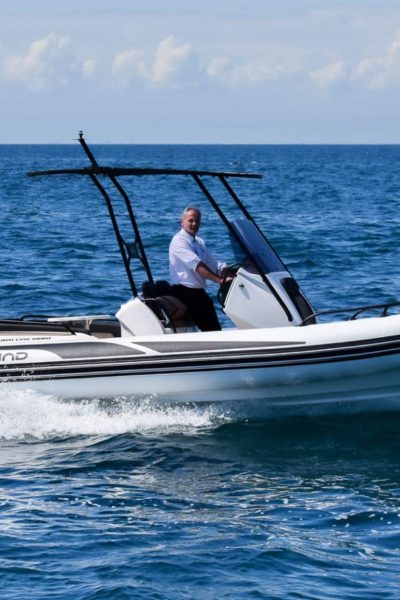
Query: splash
[28,415]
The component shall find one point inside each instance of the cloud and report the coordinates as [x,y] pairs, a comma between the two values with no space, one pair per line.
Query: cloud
[379,73]
[129,65]
[217,66]
[171,59]
[172,63]
[330,74]
[382,72]
[255,71]
[49,61]
[53,61]
[89,67]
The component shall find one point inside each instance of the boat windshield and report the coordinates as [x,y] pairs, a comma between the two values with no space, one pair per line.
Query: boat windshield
[257,247]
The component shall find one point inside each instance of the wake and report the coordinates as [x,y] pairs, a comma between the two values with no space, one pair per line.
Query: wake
[27,415]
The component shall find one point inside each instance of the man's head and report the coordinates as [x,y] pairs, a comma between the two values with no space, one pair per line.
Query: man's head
[191,220]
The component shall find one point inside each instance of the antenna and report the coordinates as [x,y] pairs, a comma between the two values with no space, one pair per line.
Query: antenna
[87,149]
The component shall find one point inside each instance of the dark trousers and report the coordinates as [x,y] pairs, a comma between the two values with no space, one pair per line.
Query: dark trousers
[200,306]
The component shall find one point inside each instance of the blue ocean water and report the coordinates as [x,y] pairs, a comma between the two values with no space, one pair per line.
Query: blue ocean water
[114,500]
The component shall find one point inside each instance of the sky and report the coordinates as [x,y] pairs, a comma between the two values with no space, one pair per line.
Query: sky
[215,71]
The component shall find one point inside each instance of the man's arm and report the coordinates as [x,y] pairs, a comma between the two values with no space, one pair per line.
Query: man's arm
[205,272]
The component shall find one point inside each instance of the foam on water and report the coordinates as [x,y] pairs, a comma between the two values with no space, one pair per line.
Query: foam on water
[28,415]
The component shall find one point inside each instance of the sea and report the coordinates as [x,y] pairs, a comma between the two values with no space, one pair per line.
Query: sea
[123,500]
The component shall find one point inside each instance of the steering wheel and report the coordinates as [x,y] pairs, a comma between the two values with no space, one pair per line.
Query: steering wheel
[225,285]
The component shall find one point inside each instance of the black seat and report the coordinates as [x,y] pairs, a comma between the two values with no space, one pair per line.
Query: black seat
[171,311]
[155,289]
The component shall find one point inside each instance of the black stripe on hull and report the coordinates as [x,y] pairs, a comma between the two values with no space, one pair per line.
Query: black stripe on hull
[172,347]
[168,347]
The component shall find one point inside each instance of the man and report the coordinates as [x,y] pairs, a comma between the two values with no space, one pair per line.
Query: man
[191,264]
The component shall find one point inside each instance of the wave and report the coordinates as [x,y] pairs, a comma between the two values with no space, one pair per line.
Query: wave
[27,416]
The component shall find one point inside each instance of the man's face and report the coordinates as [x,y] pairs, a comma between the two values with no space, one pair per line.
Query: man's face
[191,222]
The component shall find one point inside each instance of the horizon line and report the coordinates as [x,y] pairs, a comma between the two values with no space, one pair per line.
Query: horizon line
[108,143]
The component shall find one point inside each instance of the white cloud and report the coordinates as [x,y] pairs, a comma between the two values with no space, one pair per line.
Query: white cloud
[171,59]
[172,62]
[52,60]
[89,67]
[129,65]
[217,66]
[48,61]
[41,62]
[330,74]
[382,72]
[255,71]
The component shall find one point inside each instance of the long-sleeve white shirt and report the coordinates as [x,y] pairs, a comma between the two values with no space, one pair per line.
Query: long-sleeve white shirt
[185,253]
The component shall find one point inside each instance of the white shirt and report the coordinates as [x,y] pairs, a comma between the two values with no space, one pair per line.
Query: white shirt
[185,253]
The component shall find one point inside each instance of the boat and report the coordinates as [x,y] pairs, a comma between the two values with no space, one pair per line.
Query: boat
[278,351]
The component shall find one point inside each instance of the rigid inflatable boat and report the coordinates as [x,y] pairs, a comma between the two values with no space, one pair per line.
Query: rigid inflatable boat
[278,350]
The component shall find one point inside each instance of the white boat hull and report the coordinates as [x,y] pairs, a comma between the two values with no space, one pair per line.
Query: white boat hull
[337,364]
[284,387]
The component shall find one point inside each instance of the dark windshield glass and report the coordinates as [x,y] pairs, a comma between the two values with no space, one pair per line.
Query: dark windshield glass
[258,248]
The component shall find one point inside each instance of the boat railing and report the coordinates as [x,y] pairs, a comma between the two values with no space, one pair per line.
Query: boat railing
[32,323]
[356,310]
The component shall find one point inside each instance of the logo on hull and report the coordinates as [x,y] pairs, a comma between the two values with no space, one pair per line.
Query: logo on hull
[13,356]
